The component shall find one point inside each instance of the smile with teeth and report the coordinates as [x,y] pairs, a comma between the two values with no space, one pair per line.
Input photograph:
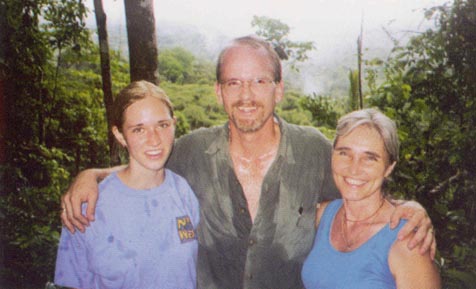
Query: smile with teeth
[354,182]
[154,153]
[246,108]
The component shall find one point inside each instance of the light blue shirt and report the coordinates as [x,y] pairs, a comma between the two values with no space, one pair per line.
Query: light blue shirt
[363,268]
[140,239]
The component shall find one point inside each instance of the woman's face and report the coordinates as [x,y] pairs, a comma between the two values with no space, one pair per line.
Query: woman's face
[147,133]
[360,164]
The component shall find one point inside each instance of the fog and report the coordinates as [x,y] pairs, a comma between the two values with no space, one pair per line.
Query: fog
[333,26]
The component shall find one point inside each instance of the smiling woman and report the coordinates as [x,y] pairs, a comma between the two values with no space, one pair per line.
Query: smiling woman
[121,249]
[354,246]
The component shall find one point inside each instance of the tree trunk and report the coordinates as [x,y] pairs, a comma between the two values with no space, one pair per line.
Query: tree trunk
[359,63]
[3,116]
[142,39]
[101,22]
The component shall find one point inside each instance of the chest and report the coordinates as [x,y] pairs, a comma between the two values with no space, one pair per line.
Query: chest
[140,239]
[251,173]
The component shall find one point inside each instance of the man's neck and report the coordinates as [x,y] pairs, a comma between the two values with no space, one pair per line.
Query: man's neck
[255,144]
[252,155]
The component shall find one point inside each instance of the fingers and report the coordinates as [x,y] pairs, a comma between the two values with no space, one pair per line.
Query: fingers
[394,221]
[413,226]
[91,208]
[70,217]
[433,247]
[75,214]
[64,217]
[429,244]
[418,225]
[427,241]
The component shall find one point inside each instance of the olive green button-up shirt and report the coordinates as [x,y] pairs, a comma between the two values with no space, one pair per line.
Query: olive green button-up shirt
[233,251]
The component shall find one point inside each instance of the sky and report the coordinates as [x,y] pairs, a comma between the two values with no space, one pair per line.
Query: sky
[310,20]
[333,25]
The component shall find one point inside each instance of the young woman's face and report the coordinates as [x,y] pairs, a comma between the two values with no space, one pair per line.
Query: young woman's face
[360,164]
[148,134]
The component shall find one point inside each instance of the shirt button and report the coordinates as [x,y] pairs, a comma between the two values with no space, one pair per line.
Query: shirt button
[242,210]
[251,242]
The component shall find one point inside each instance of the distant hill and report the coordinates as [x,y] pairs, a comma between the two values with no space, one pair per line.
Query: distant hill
[325,73]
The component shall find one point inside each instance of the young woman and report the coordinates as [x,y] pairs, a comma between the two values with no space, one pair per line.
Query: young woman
[144,234]
[354,246]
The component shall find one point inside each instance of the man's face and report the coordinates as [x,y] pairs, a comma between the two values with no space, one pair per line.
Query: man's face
[248,109]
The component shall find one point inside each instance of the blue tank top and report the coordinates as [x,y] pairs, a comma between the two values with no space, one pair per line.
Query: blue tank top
[365,267]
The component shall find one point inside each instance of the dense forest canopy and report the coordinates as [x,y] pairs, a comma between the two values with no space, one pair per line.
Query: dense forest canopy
[54,122]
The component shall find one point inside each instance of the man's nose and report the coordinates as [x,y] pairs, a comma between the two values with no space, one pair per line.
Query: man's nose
[246,90]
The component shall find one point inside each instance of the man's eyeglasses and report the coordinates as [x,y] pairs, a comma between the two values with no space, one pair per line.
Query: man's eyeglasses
[233,87]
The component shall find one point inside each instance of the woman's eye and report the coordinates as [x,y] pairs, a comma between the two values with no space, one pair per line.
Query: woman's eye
[371,158]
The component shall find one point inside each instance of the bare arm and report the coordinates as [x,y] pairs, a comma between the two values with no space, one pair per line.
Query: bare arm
[419,227]
[411,269]
[84,189]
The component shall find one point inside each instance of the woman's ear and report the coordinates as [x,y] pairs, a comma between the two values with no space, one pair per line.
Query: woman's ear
[119,136]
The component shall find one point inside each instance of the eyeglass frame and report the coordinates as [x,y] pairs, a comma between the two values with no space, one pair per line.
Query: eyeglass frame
[241,84]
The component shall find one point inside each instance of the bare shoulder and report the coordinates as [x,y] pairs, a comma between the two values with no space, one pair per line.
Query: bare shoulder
[411,269]
[321,207]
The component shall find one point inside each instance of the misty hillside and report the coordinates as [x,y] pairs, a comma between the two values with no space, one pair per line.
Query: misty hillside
[325,73]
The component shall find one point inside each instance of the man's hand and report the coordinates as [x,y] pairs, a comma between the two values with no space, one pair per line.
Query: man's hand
[419,224]
[84,189]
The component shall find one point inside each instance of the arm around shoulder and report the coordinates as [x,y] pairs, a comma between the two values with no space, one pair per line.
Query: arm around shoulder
[84,189]
[411,269]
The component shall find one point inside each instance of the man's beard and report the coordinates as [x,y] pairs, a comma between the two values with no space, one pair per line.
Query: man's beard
[249,125]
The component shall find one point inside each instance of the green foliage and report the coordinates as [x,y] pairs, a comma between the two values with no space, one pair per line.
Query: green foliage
[292,111]
[429,89]
[56,123]
[277,32]
[55,126]
[323,109]
[197,103]
[180,66]
[30,204]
